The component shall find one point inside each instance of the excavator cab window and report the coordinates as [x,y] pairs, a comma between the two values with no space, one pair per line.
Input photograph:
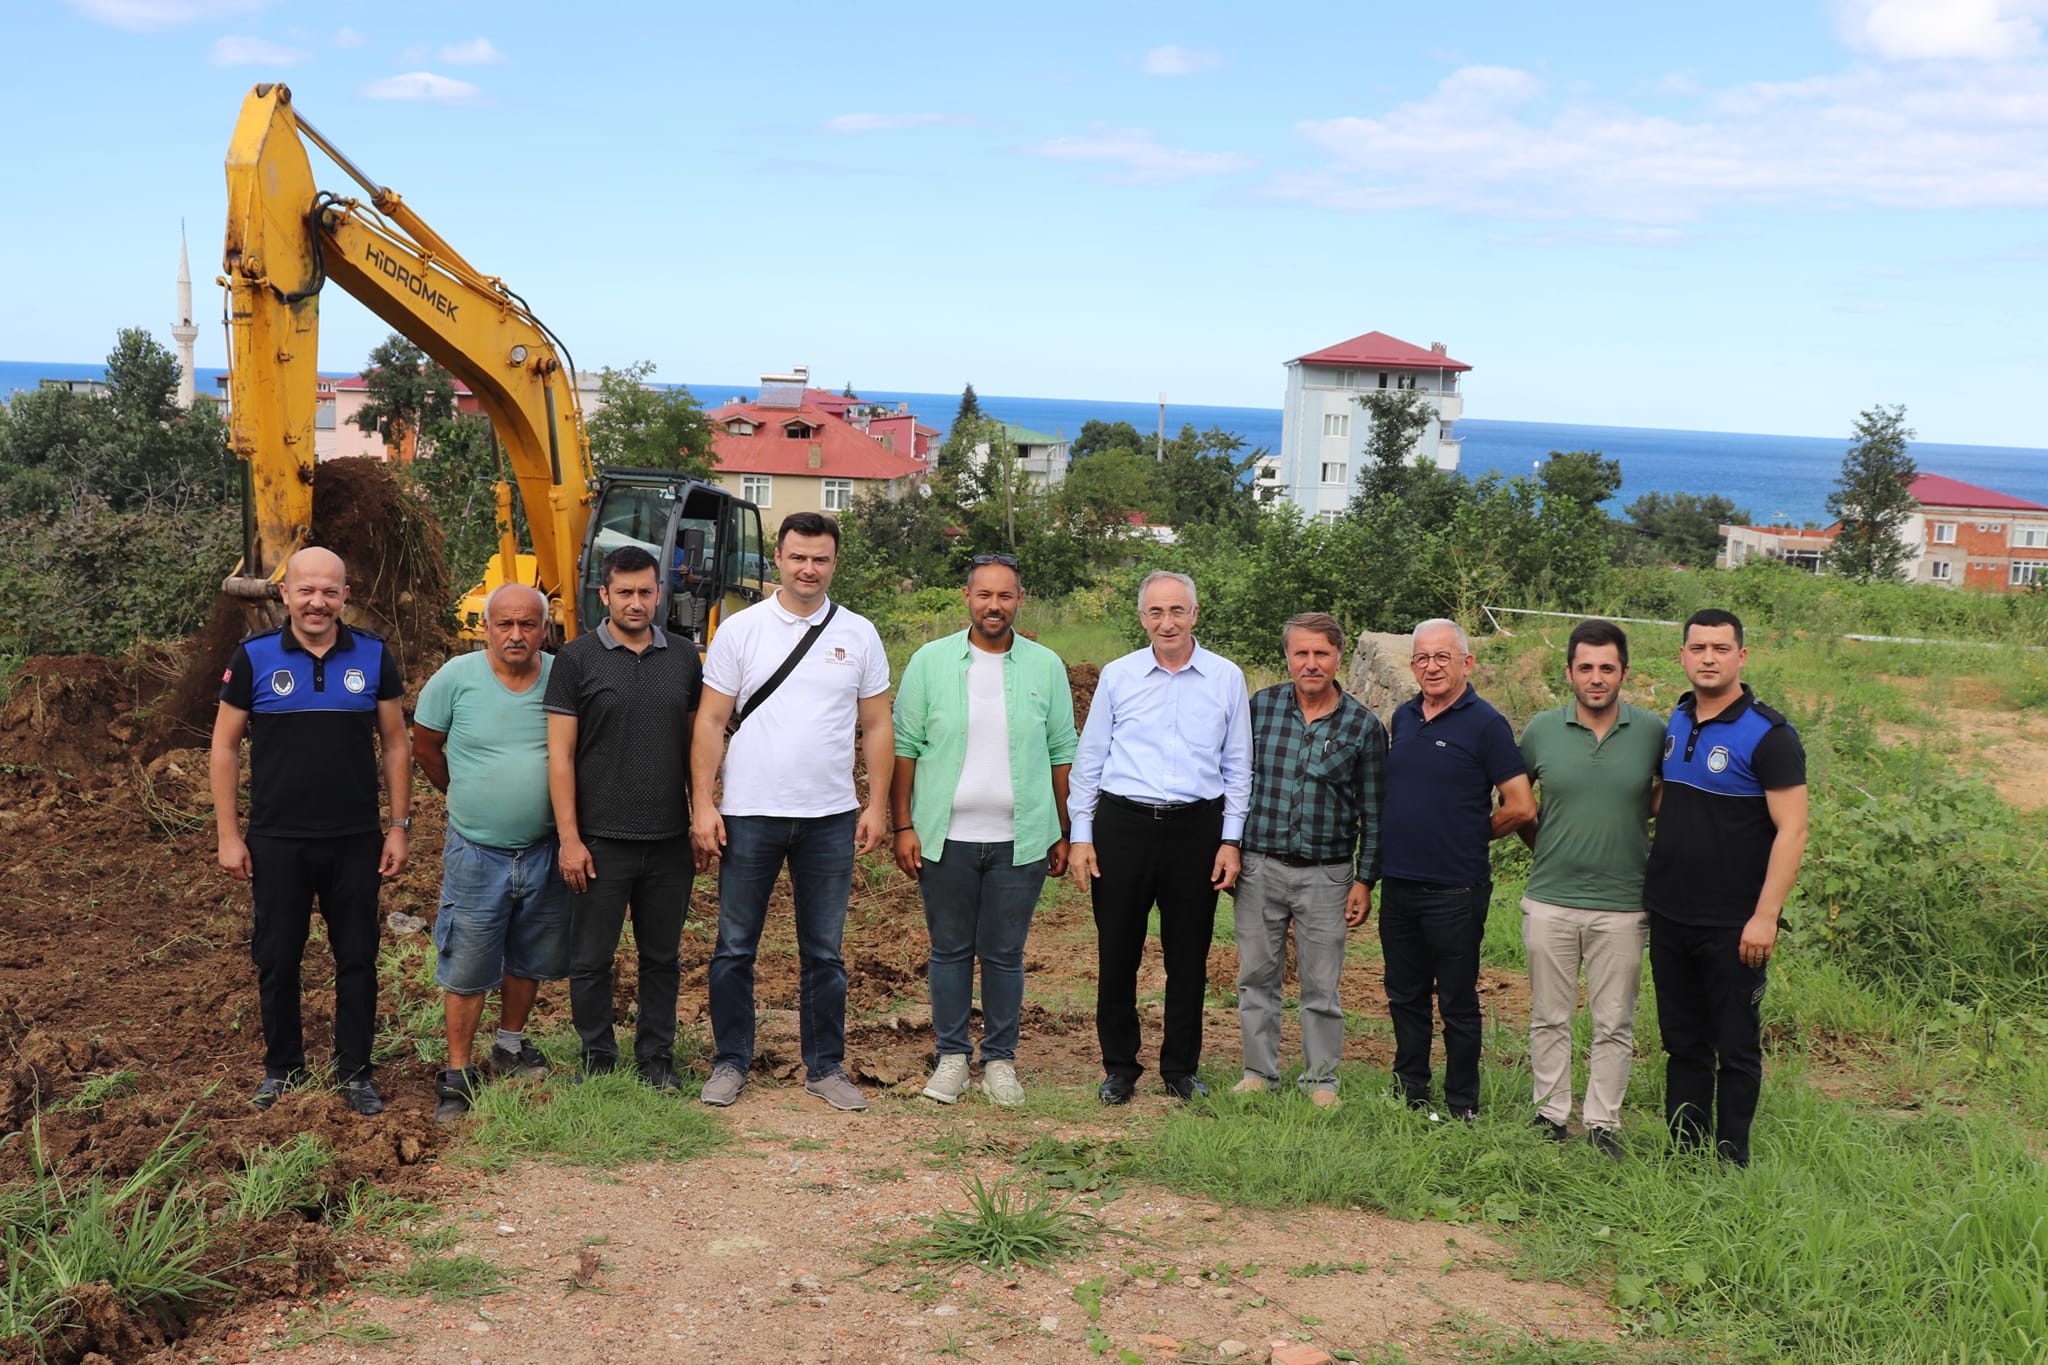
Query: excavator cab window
[626,514]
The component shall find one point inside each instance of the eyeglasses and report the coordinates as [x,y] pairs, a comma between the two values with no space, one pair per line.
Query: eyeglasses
[1439,660]
[1165,613]
[982,561]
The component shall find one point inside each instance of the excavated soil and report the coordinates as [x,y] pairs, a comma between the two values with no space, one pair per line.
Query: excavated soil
[124,949]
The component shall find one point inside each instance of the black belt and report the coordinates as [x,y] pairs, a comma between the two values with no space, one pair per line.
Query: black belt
[1289,860]
[1165,810]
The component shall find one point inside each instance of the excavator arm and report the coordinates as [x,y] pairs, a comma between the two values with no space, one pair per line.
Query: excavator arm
[285,241]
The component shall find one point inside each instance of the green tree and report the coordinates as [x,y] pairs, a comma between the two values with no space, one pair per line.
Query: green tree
[1387,469]
[1680,528]
[459,481]
[408,393]
[1873,498]
[1202,480]
[1098,437]
[652,428]
[970,406]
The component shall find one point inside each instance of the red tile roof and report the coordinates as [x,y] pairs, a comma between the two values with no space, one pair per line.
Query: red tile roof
[1938,490]
[845,451]
[1377,348]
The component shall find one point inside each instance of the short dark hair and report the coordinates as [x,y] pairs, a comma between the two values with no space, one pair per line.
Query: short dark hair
[1712,616]
[626,559]
[1319,622]
[808,524]
[1595,633]
[980,562]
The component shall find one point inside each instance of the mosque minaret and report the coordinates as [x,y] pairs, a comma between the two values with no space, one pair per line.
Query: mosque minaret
[183,330]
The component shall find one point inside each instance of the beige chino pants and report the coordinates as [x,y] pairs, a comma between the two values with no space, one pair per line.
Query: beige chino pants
[1609,944]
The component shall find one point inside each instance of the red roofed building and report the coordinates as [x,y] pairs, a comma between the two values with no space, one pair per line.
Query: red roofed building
[796,449]
[1961,536]
[1323,430]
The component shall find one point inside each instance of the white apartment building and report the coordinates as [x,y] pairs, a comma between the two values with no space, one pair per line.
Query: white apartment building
[1323,430]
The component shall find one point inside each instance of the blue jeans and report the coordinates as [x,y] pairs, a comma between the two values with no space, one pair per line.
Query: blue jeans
[504,912]
[977,903]
[819,851]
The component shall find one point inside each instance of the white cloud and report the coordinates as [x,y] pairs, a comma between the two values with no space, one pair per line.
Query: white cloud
[246,51]
[1174,60]
[1495,141]
[148,14]
[348,37]
[888,123]
[1138,157]
[421,85]
[475,52]
[1942,30]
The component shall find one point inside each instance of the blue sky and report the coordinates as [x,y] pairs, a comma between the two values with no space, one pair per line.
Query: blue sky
[1744,216]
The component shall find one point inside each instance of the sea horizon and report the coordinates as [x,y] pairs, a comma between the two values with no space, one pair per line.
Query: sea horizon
[1774,477]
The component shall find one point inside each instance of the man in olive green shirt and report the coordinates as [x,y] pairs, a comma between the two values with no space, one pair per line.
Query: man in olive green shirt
[984,740]
[1594,761]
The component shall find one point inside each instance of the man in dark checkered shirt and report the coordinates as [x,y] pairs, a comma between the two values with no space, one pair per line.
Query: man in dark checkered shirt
[1311,852]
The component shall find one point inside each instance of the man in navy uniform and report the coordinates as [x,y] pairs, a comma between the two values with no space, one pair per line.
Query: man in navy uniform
[317,700]
[1730,835]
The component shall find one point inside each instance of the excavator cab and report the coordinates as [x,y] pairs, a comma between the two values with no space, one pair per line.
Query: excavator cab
[708,542]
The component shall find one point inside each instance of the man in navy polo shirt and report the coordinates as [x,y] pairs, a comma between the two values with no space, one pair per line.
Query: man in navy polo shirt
[310,696]
[1730,835]
[1449,753]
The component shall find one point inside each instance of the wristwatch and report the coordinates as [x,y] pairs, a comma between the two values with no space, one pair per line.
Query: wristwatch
[403,822]
[1233,843]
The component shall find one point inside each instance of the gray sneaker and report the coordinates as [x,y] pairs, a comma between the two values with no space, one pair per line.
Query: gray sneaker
[724,1086]
[949,1081]
[837,1089]
[999,1081]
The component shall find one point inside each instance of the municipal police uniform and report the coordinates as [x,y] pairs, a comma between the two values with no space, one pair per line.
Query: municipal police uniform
[1707,868]
[314,832]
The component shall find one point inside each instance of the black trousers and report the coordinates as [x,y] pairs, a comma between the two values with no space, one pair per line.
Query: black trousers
[289,876]
[1146,862]
[1430,936]
[1708,1012]
[652,878]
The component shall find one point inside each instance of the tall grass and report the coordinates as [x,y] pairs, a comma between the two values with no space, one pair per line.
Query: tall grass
[607,1121]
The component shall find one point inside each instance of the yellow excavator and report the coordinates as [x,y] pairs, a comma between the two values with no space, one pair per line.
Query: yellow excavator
[287,240]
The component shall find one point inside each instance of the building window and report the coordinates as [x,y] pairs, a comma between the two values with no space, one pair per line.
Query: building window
[1944,533]
[757,488]
[1336,424]
[1939,571]
[2029,535]
[323,415]
[1327,518]
[1333,471]
[739,426]
[838,495]
[1383,379]
[2029,573]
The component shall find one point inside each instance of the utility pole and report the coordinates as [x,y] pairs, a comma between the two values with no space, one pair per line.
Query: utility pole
[1009,475]
[1159,450]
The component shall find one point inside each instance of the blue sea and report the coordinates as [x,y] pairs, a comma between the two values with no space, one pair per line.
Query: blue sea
[1775,478]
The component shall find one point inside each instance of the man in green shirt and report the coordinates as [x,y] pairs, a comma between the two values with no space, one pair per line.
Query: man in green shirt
[984,740]
[1595,762]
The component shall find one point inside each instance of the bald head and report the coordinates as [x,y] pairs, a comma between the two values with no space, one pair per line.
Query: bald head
[315,559]
[509,595]
[315,587]
[515,625]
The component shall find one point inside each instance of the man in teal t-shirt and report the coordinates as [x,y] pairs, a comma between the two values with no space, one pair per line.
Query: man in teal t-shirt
[1594,761]
[481,737]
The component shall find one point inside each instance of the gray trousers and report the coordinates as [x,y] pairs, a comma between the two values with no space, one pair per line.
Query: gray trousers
[1270,897]
[1609,944]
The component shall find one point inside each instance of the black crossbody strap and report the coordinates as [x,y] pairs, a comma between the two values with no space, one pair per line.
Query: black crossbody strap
[796,656]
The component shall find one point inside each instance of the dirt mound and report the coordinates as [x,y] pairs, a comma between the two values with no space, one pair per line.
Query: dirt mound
[186,716]
[392,544]
[80,713]
[1081,679]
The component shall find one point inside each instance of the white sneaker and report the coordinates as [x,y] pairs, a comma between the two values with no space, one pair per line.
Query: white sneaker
[949,1081]
[999,1081]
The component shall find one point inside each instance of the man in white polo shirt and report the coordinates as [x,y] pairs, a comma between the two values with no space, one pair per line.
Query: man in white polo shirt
[788,796]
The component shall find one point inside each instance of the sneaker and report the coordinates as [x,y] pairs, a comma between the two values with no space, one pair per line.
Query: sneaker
[999,1082]
[527,1061]
[1468,1117]
[454,1091]
[1322,1097]
[724,1086]
[1250,1085]
[658,1073]
[1556,1132]
[1605,1141]
[362,1097]
[267,1093]
[837,1089]
[949,1080]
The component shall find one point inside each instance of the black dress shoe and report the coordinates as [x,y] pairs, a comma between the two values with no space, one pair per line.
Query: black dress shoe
[1116,1090]
[657,1073]
[1556,1132]
[1605,1142]
[1185,1087]
[362,1097]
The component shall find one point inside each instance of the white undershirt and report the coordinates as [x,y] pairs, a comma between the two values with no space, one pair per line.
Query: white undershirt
[985,804]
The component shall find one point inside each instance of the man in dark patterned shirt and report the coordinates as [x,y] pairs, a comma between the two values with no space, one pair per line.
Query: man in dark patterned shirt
[1311,852]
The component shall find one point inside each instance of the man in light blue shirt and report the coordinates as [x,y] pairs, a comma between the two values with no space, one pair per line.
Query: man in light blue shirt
[1158,797]
[480,735]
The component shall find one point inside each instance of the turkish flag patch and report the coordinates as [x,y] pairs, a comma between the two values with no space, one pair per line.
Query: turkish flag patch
[227,673]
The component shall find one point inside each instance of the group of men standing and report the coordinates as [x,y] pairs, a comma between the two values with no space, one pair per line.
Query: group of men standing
[575,786]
